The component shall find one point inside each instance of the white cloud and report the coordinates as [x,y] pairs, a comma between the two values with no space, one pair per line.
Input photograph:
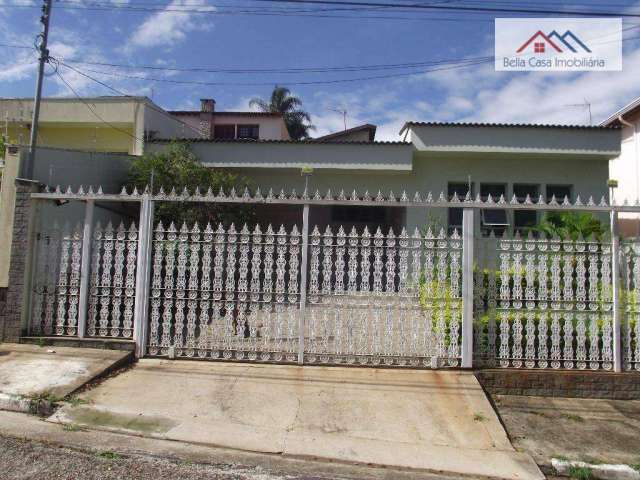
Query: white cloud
[169,27]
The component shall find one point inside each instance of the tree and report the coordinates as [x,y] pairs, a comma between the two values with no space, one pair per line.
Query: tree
[297,120]
[178,167]
[570,225]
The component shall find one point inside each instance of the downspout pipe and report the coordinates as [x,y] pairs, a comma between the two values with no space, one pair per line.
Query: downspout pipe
[636,143]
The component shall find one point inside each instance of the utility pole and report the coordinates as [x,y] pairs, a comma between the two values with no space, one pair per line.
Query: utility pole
[44,58]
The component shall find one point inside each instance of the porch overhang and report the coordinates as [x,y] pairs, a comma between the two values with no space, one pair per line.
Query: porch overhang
[382,156]
[522,139]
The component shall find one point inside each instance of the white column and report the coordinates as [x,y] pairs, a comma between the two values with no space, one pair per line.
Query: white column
[467,287]
[143,272]
[303,282]
[615,280]
[85,267]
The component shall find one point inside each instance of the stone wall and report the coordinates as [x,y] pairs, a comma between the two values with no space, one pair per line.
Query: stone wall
[561,383]
[11,315]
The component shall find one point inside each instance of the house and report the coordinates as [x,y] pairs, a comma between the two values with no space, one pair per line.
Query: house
[454,158]
[626,167]
[99,124]
[230,125]
[361,133]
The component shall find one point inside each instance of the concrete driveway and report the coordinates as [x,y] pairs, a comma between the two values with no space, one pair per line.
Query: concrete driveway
[432,420]
[29,371]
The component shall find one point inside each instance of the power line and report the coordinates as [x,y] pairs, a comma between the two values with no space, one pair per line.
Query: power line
[458,8]
[413,6]
[345,68]
[119,92]
[299,83]
[92,110]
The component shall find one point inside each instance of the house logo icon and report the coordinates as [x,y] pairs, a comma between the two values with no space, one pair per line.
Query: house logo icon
[554,42]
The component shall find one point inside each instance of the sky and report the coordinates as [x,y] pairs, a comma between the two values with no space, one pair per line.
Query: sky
[243,34]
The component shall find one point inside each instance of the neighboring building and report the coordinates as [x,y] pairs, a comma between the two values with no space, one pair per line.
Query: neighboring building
[361,133]
[233,125]
[626,167]
[491,159]
[98,124]
[59,166]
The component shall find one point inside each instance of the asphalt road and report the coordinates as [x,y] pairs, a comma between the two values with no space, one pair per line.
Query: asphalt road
[22,459]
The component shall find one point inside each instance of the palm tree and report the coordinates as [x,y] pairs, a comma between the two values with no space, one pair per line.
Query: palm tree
[570,225]
[297,120]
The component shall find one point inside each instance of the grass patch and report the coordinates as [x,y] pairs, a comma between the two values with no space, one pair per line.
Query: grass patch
[478,417]
[110,455]
[580,473]
[636,467]
[537,413]
[573,417]
[46,397]
[75,401]
[71,427]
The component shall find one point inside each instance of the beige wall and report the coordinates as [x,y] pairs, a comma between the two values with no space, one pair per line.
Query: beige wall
[7,206]
[626,170]
[70,123]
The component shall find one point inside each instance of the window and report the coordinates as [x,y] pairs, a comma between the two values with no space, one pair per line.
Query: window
[226,132]
[455,214]
[369,215]
[493,220]
[559,191]
[538,47]
[248,131]
[524,219]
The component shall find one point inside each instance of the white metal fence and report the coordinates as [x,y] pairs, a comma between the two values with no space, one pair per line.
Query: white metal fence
[332,296]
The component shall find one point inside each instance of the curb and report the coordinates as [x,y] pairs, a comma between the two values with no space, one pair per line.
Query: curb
[599,471]
[17,403]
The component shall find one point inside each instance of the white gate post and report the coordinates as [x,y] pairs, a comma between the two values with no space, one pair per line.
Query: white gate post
[85,267]
[467,287]
[615,281]
[143,272]
[303,282]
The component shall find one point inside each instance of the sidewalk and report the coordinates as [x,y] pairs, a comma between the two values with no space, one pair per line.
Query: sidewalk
[31,448]
[438,421]
[580,429]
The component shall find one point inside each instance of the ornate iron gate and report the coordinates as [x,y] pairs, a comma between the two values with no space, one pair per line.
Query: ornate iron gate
[373,299]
